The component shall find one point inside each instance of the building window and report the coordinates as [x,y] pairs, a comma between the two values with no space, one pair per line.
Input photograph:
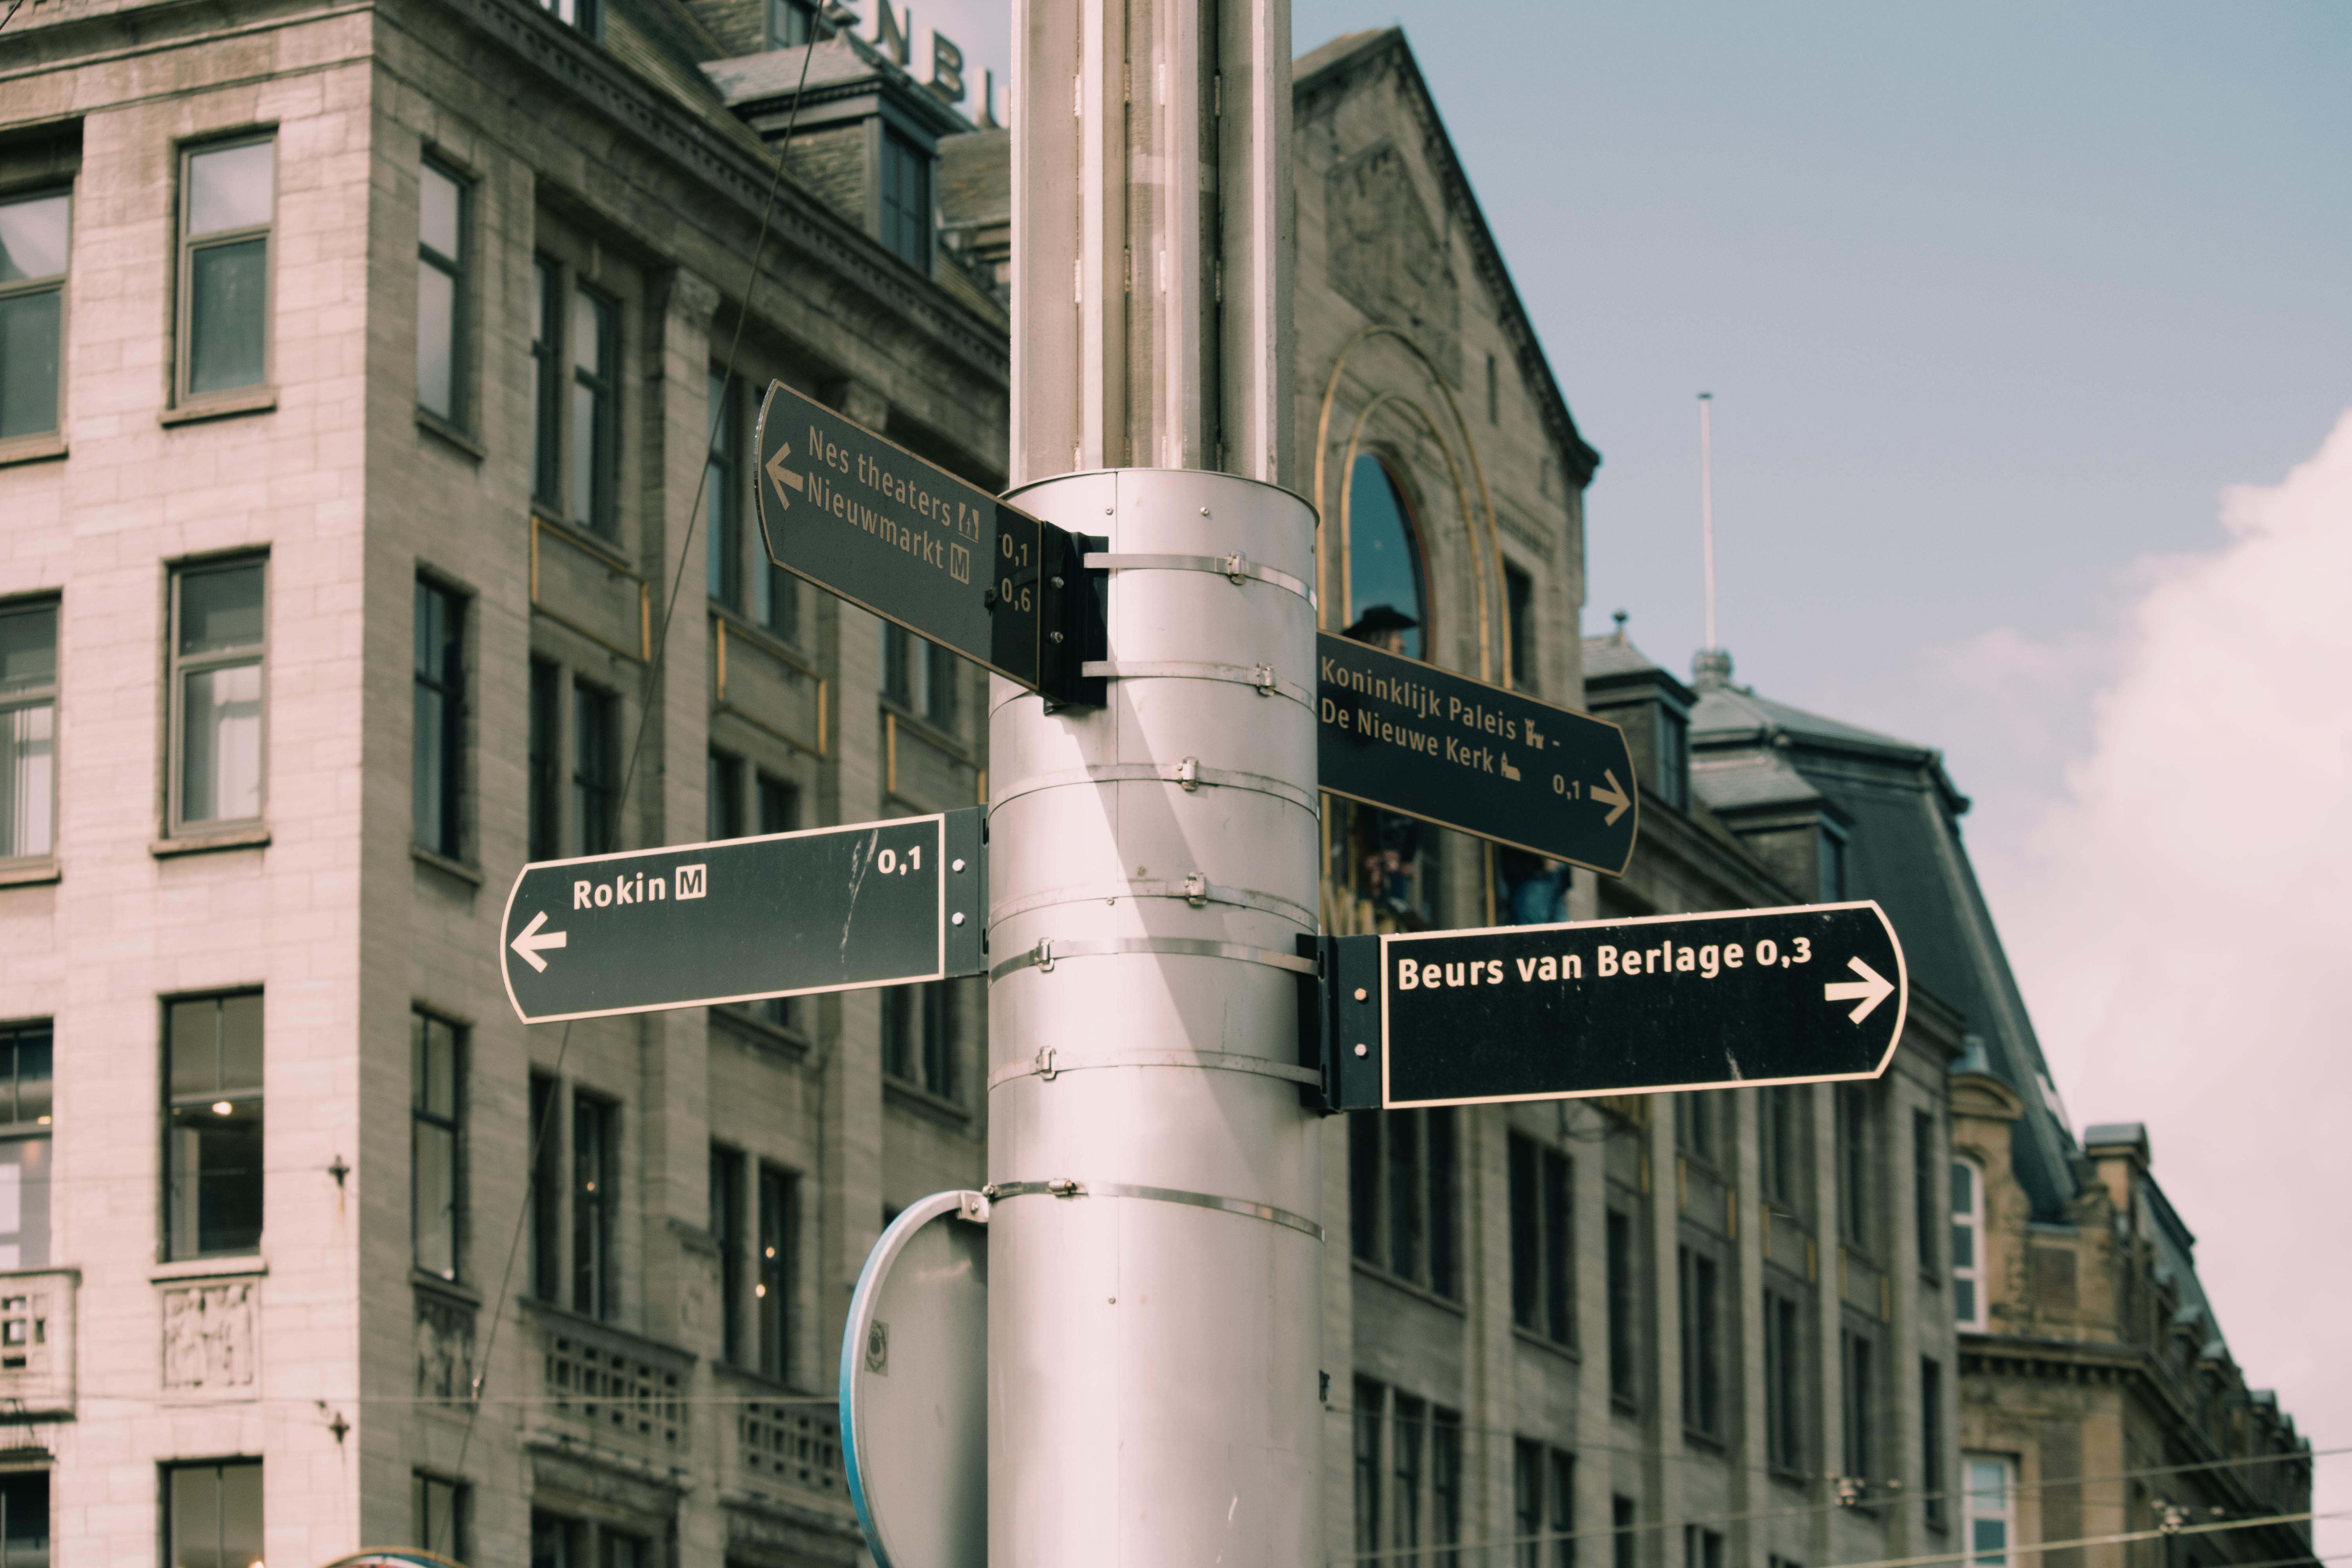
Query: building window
[918,1036]
[1402,1195]
[1702,1335]
[442,200]
[1543,1503]
[228,200]
[1989,1499]
[1493,392]
[1968,1295]
[1407,1426]
[1445,1486]
[435,1148]
[723,796]
[622,1551]
[596,1171]
[722,496]
[1781,1114]
[27,1070]
[28,726]
[1860,1405]
[1832,857]
[25,1518]
[1931,1439]
[547,378]
[918,675]
[440,1507]
[587,16]
[546,781]
[1924,1187]
[1625,1546]
[557,1542]
[1541,1248]
[1672,779]
[213,1125]
[1371,1400]
[727,1230]
[546,1153]
[905,201]
[34,241]
[216,681]
[779,1242]
[595,770]
[1784,1383]
[779,811]
[1520,603]
[214,1514]
[1702,1547]
[440,746]
[1698,1125]
[1385,604]
[791,23]
[1853,1164]
[595,431]
[1623,1306]
[1527,1503]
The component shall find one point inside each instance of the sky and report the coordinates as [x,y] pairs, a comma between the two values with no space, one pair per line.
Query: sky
[2031,341]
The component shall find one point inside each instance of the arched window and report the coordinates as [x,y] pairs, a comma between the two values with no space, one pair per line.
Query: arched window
[1384,570]
[1967,1244]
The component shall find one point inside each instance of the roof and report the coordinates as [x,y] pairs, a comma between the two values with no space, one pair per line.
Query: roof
[841,66]
[1330,64]
[975,181]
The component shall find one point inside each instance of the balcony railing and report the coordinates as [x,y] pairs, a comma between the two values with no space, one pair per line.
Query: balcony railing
[36,1342]
[613,1388]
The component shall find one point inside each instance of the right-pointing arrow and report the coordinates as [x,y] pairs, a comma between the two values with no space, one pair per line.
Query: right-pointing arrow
[1869,990]
[531,945]
[1614,798]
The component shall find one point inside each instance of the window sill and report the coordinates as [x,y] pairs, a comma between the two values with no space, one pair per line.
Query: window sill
[916,1098]
[464,1295]
[209,842]
[1797,1480]
[1399,1282]
[1629,1409]
[1528,1336]
[249,1265]
[451,433]
[31,874]
[761,1035]
[38,448]
[769,642]
[251,400]
[1705,1442]
[584,541]
[929,730]
[442,863]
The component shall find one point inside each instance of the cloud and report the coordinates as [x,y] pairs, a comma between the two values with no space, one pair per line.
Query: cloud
[2180,916]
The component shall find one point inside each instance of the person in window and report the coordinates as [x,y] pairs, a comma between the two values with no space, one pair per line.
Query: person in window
[1535,889]
[1388,845]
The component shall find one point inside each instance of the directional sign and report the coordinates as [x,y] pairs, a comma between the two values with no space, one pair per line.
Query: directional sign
[880,903]
[1409,737]
[903,538]
[1557,1012]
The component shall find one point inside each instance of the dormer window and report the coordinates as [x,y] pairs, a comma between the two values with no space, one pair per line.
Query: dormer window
[1832,865]
[907,200]
[1671,777]
[790,24]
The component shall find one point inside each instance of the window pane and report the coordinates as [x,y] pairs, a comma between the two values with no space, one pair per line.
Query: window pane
[33,238]
[240,1042]
[435,1062]
[220,609]
[24,1502]
[437,340]
[28,363]
[196,1519]
[216,1177]
[590,322]
[226,307]
[28,780]
[221,769]
[586,467]
[23,1208]
[34,1051]
[230,188]
[437,199]
[28,647]
[436,1154]
[1383,563]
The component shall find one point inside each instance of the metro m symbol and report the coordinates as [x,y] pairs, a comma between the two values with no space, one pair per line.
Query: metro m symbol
[689,881]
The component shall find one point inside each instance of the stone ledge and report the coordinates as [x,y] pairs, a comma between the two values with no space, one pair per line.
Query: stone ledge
[251,838]
[246,1265]
[253,400]
[33,449]
[452,434]
[439,862]
[31,875]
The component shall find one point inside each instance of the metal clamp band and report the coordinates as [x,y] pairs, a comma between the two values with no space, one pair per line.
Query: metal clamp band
[1237,566]
[1064,1187]
[1050,951]
[1259,678]
[1195,889]
[1188,773]
[1050,1064]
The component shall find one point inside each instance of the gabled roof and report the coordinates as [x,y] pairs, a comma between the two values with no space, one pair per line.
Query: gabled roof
[1351,55]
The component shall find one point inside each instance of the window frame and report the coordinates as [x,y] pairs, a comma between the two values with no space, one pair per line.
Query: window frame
[171,1470]
[450,687]
[595,1206]
[543,1150]
[16,1130]
[922,1038]
[175,1207]
[1518,613]
[178,666]
[599,512]
[1854,1117]
[547,385]
[595,799]
[186,246]
[422,1022]
[1673,733]
[1931,1442]
[1542,1201]
[723,796]
[544,761]
[891,208]
[1424,609]
[47,283]
[32,695]
[1785,1427]
[722,502]
[726,1218]
[1860,1458]
[1969,1276]
[1704,1382]
[421,1487]
[458,270]
[776,1267]
[1621,1248]
[1423,1169]
[1973,1510]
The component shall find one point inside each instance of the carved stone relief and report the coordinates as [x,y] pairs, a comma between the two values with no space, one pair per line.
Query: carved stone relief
[208,1335]
[444,1349]
[1388,257]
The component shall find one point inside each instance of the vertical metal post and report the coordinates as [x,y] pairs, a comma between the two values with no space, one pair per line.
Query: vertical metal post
[1154,1261]
[1706,503]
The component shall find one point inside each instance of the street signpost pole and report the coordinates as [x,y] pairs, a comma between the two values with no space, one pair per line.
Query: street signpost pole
[1154,1254]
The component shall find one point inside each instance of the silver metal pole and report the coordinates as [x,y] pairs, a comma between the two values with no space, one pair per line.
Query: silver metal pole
[1706,503]
[1154,1256]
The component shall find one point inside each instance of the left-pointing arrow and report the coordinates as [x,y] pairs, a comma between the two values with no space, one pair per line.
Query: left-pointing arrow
[780,476]
[530,943]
